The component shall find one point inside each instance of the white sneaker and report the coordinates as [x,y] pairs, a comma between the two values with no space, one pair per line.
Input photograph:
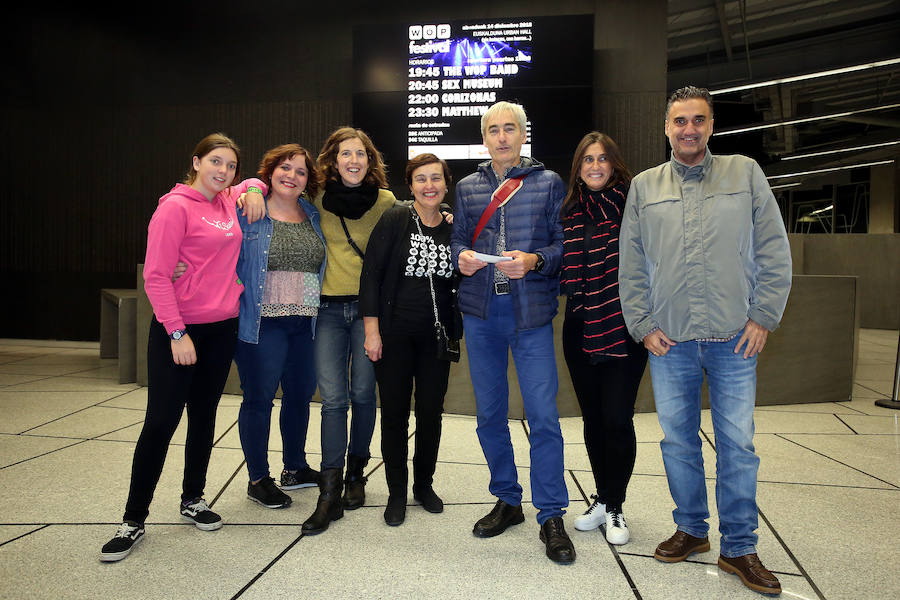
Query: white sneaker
[616,529]
[593,517]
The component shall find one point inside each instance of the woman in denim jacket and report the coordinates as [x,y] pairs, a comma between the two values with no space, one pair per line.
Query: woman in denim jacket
[282,263]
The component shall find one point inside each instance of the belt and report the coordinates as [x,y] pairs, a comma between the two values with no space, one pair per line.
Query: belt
[501,287]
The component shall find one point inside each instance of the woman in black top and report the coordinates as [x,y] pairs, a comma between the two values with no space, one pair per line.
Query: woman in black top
[410,246]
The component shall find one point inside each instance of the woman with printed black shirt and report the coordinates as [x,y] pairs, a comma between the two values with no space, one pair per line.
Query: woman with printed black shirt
[409,244]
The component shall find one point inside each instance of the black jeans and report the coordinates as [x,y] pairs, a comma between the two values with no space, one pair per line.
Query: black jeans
[606,393]
[405,359]
[169,388]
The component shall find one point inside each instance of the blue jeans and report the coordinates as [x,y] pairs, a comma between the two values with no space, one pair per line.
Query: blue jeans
[487,344]
[283,355]
[731,378]
[346,377]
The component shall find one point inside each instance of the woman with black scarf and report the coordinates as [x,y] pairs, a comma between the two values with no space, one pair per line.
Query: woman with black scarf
[606,365]
[354,198]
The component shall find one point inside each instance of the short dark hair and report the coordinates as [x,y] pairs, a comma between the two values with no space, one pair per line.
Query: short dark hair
[420,160]
[689,92]
[279,154]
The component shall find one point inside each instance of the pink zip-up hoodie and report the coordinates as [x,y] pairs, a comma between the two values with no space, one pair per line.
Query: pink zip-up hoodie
[206,237]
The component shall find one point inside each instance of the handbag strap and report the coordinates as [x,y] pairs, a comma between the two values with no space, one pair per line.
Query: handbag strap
[500,197]
[437,320]
[350,239]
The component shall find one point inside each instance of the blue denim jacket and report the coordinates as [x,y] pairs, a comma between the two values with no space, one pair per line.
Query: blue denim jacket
[252,267]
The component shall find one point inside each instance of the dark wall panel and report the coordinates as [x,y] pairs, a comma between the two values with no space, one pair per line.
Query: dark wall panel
[100,112]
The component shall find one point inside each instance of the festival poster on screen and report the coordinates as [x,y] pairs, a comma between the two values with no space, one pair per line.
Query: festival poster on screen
[455,75]
[422,87]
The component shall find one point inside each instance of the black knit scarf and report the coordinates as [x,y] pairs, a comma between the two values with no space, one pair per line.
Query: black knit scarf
[349,202]
[590,269]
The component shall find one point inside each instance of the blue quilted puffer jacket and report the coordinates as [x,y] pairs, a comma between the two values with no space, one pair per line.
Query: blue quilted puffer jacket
[532,225]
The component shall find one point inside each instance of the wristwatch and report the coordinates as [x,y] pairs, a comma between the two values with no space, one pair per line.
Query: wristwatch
[540,262]
[178,334]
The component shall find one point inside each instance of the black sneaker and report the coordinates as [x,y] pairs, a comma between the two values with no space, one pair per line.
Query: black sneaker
[303,478]
[265,492]
[197,512]
[126,538]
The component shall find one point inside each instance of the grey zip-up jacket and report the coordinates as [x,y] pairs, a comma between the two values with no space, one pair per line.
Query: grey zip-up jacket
[702,249]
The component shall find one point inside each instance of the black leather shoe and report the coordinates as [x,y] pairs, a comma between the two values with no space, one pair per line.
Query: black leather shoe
[555,538]
[428,499]
[395,512]
[495,522]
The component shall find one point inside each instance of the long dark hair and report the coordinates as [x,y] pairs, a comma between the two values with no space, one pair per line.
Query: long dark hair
[620,173]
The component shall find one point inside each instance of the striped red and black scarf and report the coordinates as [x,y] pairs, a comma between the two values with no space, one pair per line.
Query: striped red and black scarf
[590,269]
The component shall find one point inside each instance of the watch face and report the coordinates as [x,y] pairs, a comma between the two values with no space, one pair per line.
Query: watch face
[176,335]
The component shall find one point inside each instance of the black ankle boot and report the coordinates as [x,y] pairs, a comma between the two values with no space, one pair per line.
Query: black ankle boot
[395,511]
[329,507]
[355,483]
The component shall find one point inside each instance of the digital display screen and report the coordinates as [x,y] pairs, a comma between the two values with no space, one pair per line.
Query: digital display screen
[422,87]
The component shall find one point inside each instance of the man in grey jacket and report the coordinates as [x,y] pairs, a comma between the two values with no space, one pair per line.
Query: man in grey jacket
[704,277]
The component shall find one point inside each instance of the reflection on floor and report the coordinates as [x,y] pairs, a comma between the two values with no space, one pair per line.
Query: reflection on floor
[829,494]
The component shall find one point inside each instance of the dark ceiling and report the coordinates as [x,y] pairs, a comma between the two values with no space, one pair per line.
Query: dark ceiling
[722,44]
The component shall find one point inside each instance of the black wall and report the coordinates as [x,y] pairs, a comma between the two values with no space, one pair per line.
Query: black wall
[101,112]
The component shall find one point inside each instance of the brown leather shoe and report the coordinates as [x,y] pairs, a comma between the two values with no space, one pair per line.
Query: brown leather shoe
[752,572]
[679,547]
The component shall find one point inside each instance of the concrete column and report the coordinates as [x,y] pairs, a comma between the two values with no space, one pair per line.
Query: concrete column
[884,198]
[630,78]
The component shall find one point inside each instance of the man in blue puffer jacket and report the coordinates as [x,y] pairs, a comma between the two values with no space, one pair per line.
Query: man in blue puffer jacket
[509,305]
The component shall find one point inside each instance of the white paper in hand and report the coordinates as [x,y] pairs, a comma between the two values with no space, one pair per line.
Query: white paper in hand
[491,258]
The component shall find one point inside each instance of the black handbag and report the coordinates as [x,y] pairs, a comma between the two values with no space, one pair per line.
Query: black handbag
[447,349]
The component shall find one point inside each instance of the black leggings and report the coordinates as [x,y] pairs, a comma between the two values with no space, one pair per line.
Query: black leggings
[606,393]
[169,388]
[408,358]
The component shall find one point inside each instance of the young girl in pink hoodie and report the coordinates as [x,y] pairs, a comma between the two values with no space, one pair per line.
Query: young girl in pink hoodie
[192,335]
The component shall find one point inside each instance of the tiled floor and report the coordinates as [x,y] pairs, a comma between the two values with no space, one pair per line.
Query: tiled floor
[829,498]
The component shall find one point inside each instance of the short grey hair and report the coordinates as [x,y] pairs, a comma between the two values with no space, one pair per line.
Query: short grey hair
[517,110]
[689,92]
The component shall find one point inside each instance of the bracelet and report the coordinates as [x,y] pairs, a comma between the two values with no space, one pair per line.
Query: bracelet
[253,188]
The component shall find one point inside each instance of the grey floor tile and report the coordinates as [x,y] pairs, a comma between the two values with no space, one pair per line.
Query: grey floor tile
[442,558]
[7,379]
[882,424]
[800,409]
[91,422]
[89,484]
[25,410]
[858,562]
[876,455]
[11,532]
[72,384]
[172,561]
[226,419]
[691,580]
[784,461]
[40,369]
[16,448]
[774,422]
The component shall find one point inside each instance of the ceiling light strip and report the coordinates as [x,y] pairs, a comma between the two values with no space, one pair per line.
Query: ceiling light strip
[838,115]
[817,171]
[862,67]
[853,149]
